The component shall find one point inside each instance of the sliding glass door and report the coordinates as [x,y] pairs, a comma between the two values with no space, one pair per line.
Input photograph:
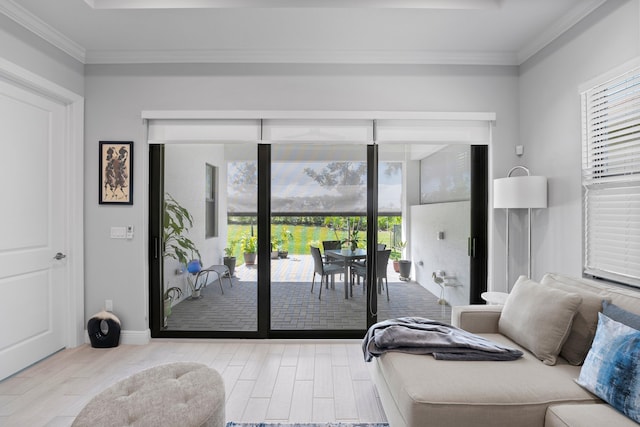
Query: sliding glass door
[302,239]
[318,237]
[204,239]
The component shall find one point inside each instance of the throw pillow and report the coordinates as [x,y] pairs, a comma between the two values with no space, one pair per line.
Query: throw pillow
[621,315]
[583,328]
[538,318]
[611,370]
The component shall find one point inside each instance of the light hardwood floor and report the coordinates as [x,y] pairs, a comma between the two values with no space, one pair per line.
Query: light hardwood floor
[266,380]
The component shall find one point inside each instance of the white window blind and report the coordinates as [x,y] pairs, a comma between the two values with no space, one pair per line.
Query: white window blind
[611,179]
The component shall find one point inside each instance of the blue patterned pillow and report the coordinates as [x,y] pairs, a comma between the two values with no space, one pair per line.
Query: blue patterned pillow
[611,370]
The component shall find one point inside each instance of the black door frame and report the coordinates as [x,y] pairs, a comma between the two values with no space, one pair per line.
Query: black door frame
[477,246]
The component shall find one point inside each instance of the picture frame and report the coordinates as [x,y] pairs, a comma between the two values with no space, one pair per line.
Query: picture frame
[116,173]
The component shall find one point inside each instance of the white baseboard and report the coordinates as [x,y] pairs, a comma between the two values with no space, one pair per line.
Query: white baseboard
[129,337]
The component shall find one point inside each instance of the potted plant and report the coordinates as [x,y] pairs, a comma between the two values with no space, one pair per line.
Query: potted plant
[229,257]
[395,257]
[274,247]
[173,293]
[352,240]
[249,245]
[176,224]
[286,236]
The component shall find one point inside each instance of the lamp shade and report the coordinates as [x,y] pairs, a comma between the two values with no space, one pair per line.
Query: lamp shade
[520,192]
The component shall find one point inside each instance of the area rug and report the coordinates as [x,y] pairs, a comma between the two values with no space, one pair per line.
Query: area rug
[232,424]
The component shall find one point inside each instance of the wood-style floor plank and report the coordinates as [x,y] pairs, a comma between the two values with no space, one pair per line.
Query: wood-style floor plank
[265,381]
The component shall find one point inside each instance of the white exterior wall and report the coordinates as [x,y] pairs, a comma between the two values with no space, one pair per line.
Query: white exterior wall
[449,254]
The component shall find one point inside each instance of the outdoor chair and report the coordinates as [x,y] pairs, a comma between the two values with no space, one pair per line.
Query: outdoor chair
[379,247]
[323,269]
[329,245]
[382,259]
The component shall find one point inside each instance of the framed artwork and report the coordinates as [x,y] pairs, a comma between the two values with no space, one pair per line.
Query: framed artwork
[116,172]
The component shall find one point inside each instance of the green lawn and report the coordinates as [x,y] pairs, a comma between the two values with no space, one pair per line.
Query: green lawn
[303,236]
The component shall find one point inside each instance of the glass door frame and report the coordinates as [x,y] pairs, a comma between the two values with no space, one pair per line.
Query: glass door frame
[264,252]
[477,246]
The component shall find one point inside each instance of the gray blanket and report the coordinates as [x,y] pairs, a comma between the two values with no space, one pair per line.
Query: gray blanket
[424,336]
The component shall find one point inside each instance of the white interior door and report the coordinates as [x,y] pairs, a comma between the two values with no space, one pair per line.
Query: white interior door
[33,284]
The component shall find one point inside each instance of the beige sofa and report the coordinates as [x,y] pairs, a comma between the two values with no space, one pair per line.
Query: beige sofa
[418,390]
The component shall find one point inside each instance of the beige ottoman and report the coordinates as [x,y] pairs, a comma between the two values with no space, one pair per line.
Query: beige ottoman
[177,394]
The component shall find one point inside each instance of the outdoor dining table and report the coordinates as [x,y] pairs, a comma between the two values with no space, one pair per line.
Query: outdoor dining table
[346,256]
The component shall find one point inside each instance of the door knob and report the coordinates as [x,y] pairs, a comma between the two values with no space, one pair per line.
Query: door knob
[59,256]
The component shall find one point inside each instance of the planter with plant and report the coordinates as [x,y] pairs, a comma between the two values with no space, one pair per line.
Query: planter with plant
[249,246]
[395,257]
[282,243]
[229,257]
[171,294]
[177,222]
[352,240]
[274,247]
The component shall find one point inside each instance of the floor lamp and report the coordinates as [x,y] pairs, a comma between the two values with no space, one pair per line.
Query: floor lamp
[519,192]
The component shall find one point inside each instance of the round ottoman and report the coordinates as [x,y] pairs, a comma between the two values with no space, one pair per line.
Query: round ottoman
[176,394]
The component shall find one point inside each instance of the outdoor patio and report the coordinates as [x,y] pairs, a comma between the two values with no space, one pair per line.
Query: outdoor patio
[293,306]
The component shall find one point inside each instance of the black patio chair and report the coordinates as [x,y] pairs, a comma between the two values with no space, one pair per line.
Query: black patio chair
[382,259]
[323,269]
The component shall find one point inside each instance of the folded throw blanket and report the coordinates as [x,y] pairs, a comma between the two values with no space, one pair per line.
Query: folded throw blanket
[417,335]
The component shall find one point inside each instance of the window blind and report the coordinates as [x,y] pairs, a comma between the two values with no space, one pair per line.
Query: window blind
[611,179]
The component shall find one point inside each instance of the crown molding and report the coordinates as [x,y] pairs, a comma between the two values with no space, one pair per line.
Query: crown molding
[300,56]
[42,29]
[234,4]
[557,29]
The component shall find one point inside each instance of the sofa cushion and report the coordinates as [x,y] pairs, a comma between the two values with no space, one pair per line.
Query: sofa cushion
[583,328]
[538,318]
[624,297]
[585,415]
[428,392]
[621,315]
[611,369]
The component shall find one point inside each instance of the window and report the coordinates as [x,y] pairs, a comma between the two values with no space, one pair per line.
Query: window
[611,179]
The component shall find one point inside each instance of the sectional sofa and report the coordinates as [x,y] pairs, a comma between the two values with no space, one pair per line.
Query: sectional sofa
[554,323]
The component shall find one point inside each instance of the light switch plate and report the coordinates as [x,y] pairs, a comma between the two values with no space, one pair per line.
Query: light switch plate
[118,232]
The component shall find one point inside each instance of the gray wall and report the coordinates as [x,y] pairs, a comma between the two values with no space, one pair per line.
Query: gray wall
[29,51]
[115,96]
[550,124]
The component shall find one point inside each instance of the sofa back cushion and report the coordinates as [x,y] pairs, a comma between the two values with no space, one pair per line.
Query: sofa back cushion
[583,328]
[622,296]
[539,318]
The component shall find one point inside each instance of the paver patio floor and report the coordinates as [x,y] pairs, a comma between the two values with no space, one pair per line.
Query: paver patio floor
[294,307]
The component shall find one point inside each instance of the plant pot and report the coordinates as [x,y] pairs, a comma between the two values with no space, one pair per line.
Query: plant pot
[405,269]
[283,254]
[396,266]
[230,262]
[274,254]
[249,258]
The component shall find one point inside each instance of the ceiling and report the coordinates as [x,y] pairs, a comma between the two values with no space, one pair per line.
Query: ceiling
[494,32]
